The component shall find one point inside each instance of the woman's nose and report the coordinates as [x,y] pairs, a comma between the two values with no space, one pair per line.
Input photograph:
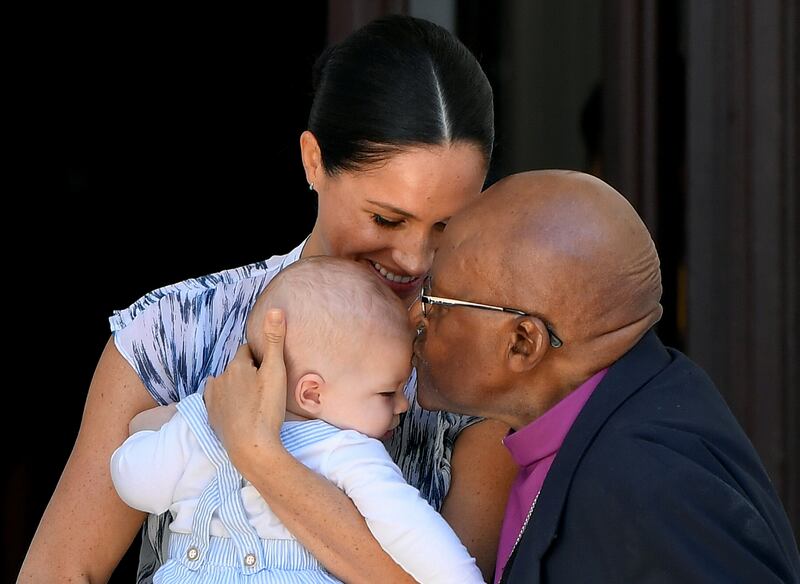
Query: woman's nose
[416,254]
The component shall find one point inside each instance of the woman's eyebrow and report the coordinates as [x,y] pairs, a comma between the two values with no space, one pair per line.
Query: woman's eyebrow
[393,209]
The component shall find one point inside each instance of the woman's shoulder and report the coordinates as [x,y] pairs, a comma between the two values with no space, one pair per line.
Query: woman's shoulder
[225,282]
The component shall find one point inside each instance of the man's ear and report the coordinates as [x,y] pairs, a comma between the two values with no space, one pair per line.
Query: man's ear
[308,393]
[528,344]
[311,155]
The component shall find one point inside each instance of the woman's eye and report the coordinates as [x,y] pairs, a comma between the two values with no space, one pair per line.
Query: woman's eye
[384,222]
[440,226]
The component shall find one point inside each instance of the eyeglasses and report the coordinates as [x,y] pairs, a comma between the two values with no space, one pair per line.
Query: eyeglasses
[426,300]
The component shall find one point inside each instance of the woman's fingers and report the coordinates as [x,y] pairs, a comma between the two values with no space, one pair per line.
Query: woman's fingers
[247,405]
[231,393]
[272,371]
[243,358]
[274,332]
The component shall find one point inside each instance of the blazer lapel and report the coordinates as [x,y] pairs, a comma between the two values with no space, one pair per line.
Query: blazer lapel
[624,378]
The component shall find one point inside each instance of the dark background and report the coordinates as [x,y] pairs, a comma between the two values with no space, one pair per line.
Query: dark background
[156,153]
[159,146]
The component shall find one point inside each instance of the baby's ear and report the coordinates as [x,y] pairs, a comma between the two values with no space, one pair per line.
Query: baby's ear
[308,392]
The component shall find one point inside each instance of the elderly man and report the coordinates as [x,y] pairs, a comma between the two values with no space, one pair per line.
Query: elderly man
[538,313]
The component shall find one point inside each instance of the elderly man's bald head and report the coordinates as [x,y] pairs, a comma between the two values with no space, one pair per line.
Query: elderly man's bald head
[570,247]
[566,249]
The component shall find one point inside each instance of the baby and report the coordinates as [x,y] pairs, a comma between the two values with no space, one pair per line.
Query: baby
[348,354]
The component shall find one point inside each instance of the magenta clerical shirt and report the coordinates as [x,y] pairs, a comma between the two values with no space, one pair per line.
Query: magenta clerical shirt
[534,448]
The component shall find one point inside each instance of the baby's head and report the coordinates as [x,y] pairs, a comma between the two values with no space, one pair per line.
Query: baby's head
[348,343]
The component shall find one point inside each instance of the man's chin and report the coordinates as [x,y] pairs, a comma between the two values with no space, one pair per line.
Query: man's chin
[427,397]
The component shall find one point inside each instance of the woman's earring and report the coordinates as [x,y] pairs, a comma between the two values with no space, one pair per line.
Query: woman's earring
[311,186]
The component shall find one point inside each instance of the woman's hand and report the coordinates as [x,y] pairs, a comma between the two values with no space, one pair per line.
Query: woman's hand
[247,404]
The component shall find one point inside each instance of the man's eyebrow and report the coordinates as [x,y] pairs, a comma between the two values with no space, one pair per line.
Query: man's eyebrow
[393,209]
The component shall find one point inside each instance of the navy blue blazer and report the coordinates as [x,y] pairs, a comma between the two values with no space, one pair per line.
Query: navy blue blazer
[656,482]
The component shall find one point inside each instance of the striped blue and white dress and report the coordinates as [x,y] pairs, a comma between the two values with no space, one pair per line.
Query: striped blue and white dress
[177,336]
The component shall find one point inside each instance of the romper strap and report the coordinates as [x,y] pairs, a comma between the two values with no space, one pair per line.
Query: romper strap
[194,411]
[224,494]
[197,551]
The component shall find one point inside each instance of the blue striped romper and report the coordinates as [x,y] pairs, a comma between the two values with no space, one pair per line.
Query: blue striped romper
[200,557]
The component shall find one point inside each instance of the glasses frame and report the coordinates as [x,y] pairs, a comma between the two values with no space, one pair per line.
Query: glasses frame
[426,300]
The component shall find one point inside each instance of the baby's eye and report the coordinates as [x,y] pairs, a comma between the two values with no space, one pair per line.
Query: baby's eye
[387,393]
[384,222]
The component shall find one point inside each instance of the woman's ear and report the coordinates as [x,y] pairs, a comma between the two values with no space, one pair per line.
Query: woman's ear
[308,393]
[311,156]
[528,344]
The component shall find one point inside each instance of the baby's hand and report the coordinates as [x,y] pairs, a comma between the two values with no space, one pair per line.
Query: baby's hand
[152,419]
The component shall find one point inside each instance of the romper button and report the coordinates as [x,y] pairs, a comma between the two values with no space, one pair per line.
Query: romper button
[250,560]
[192,553]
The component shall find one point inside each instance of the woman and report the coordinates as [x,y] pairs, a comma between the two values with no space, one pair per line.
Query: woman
[400,135]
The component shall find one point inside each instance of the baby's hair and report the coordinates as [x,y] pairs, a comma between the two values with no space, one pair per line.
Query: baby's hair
[331,305]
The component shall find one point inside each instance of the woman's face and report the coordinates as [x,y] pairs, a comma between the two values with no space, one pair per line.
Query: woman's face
[391,216]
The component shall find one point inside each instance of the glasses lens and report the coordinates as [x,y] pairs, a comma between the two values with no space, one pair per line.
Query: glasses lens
[425,291]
